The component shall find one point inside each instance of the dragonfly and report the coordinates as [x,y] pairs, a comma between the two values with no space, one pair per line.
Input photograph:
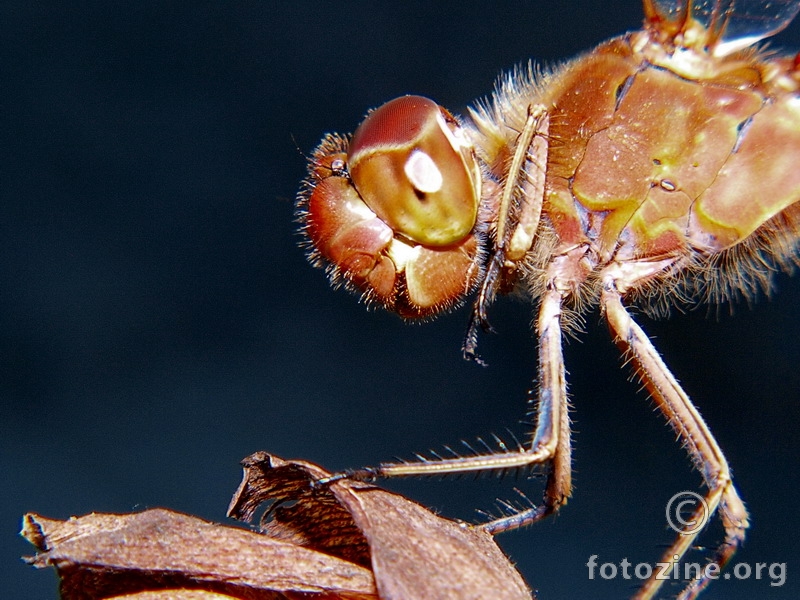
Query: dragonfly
[657,170]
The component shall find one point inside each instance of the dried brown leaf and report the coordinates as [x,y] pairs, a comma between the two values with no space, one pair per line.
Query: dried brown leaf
[345,539]
[414,553]
[300,513]
[173,595]
[101,556]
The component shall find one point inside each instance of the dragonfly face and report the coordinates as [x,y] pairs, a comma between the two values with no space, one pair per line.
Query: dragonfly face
[394,211]
[659,168]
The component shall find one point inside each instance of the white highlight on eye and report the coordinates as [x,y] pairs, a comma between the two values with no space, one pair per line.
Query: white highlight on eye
[423,173]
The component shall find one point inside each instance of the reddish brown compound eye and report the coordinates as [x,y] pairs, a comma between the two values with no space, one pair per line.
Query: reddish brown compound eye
[393,213]
[414,168]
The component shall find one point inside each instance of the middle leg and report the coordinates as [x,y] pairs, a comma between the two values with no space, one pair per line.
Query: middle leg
[551,437]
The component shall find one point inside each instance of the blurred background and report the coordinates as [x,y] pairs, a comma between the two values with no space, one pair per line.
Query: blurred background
[158,321]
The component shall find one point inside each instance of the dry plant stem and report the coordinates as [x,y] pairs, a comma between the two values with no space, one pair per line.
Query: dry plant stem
[703,449]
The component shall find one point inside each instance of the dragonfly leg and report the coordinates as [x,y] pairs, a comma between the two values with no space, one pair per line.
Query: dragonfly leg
[551,440]
[517,219]
[703,449]
[553,426]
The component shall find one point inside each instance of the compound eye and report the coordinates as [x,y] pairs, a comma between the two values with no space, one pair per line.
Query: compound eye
[413,166]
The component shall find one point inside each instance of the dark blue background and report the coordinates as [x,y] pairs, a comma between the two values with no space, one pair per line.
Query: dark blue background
[158,321]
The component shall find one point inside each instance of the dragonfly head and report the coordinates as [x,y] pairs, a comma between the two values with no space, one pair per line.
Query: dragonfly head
[394,212]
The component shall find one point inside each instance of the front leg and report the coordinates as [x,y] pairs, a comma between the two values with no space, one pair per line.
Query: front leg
[551,439]
[518,216]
